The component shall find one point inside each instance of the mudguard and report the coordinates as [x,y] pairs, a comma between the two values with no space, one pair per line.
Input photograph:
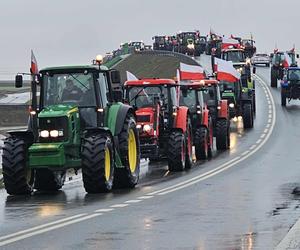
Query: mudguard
[205,118]
[121,116]
[27,136]
[223,111]
[181,118]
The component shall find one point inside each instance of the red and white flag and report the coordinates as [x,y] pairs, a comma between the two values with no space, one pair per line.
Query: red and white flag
[287,60]
[227,42]
[34,67]
[130,76]
[226,71]
[191,72]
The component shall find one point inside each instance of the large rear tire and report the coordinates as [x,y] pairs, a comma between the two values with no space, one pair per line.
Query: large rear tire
[189,146]
[97,163]
[283,98]
[247,116]
[176,151]
[47,180]
[201,143]
[18,178]
[222,134]
[129,144]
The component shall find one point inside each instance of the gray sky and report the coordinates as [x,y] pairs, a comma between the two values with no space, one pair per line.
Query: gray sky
[72,32]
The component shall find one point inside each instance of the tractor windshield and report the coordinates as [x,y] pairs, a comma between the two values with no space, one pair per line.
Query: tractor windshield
[188,98]
[141,96]
[226,86]
[235,56]
[294,75]
[69,88]
[293,57]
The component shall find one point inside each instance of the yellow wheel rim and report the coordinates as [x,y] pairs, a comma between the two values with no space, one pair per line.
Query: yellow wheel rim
[107,164]
[132,151]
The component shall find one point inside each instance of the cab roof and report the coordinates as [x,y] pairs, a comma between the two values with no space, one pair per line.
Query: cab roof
[150,81]
[231,49]
[199,84]
[75,67]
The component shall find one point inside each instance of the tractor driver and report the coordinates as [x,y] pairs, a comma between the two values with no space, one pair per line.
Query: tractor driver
[71,92]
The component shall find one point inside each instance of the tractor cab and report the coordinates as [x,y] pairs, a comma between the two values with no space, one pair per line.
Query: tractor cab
[163,43]
[290,85]
[189,43]
[293,57]
[137,46]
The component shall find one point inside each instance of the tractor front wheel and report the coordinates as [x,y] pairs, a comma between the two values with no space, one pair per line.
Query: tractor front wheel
[201,143]
[247,116]
[97,163]
[47,180]
[222,134]
[283,98]
[176,151]
[128,175]
[18,178]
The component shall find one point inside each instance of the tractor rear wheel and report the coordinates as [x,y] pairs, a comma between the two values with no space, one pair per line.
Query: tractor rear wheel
[201,143]
[176,151]
[247,116]
[97,163]
[47,180]
[222,134]
[283,98]
[18,179]
[273,78]
[128,176]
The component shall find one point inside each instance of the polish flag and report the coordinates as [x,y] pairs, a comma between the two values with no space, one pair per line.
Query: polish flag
[130,76]
[287,60]
[227,42]
[191,72]
[226,71]
[34,67]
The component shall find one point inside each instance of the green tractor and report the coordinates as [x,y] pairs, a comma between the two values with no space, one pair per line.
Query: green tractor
[77,122]
[240,100]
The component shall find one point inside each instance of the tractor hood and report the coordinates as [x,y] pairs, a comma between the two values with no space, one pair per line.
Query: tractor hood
[58,110]
[145,115]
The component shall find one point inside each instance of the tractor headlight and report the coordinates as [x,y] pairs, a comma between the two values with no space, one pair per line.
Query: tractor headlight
[191,46]
[138,126]
[44,133]
[54,133]
[147,128]
[240,70]
[231,105]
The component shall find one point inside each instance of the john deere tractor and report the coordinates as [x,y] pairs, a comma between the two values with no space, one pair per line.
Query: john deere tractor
[77,122]
[189,43]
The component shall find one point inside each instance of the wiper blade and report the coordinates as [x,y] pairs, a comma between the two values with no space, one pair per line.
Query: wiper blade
[79,81]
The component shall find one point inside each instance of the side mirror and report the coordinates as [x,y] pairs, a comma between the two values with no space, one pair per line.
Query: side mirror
[254,70]
[297,55]
[19,81]
[118,95]
[115,76]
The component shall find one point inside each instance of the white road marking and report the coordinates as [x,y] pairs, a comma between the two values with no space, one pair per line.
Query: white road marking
[119,205]
[268,125]
[5,242]
[104,210]
[246,152]
[146,197]
[41,226]
[252,147]
[133,201]
[266,130]
[269,120]
[263,135]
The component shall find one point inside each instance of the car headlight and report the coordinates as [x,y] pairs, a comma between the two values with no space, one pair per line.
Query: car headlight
[147,128]
[231,105]
[44,133]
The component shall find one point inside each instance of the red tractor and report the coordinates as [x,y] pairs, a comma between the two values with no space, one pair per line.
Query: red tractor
[218,109]
[164,126]
[191,96]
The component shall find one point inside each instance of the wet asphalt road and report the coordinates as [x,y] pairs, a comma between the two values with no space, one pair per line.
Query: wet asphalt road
[249,205]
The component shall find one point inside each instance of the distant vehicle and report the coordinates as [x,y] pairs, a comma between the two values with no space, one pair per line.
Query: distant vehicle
[290,85]
[189,43]
[163,43]
[261,59]
[137,46]
[148,47]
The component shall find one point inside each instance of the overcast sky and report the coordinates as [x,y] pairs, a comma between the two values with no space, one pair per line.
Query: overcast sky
[73,31]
